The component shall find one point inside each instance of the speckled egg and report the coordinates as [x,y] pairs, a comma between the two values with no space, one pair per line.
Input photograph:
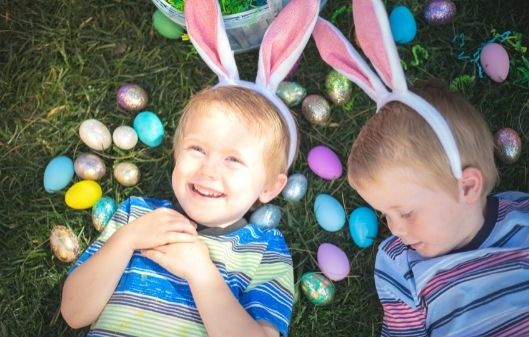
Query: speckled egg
[132,97]
[507,145]
[318,289]
[291,93]
[58,174]
[127,173]
[125,137]
[102,212]
[89,166]
[83,194]
[439,12]
[267,216]
[95,134]
[295,188]
[149,128]
[64,243]
[338,87]
[316,109]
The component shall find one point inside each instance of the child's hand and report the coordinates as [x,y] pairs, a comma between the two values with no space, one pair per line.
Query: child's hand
[157,228]
[182,259]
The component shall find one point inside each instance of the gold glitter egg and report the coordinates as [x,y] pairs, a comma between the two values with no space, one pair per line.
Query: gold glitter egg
[338,87]
[127,173]
[64,243]
[316,109]
[132,97]
[291,93]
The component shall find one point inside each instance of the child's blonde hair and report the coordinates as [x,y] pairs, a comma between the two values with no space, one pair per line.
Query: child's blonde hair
[397,136]
[257,113]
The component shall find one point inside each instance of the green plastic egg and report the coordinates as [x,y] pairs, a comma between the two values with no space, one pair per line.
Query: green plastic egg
[165,26]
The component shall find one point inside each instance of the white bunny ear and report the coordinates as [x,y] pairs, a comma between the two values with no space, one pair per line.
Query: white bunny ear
[284,41]
[374,36]
[206,31]
[336,50]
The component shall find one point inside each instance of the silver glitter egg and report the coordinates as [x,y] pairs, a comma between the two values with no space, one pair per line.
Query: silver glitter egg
[102,212]
[125,137]
[95,134]
[439,12]
[267,216]
[64,243]
[316,109]
[132,97]
[338,87]
[89,166]
[291,93]
[295,188]
[127,173]
[507,145]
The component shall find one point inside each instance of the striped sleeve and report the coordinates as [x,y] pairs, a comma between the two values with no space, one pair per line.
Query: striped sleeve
[402,316]
[269,295]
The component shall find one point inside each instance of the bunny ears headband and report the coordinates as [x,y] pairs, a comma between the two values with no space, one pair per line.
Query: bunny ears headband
[282,44]
[374,36]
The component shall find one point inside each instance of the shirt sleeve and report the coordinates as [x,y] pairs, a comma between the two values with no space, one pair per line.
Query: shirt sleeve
[402,317]
[118,220]
[269,295]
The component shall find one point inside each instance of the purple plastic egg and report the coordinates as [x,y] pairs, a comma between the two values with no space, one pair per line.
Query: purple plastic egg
[495,62]
[333,262]
[324,162]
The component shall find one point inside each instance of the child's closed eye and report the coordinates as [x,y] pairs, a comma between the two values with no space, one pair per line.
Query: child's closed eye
[234,160]
[196,148]
[406,215]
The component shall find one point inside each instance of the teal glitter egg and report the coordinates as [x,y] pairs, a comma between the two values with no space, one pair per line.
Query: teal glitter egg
[318,289]
[291,93]
[102,212]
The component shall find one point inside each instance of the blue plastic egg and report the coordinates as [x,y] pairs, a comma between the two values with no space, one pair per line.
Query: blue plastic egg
[266,216]
[102,211]
[402,23]
[363,226]
[330,214]
[149,128]
[58,174]
[295,188]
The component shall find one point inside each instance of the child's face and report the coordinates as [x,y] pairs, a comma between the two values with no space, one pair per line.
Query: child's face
[219,168]
[429,220]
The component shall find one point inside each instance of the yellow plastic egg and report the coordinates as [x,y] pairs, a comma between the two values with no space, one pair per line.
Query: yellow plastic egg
[83,194]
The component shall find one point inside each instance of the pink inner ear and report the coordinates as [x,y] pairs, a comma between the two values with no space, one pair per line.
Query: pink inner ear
[202,24]
[369,35]
[334,51]
[284,35]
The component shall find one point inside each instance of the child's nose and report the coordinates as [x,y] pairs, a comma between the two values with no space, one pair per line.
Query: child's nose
[209,167]
[397,228]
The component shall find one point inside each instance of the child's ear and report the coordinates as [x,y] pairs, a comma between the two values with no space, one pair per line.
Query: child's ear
[471,184]
[273,189]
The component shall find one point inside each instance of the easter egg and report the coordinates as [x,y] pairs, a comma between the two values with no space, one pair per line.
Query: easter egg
[295,188]
[402,24]
[318,289]
[316,109]
[165,26]
[95,134]
[127,173]
[329,212]
[495,62]
[83,194]
[149,128]
[64,243]
[324,162]
[338,87]
[267,216]
[507,145]
[291,93]
[102,212]
[333,262]
[363,226]
[89,166]
[58,174]
[439,12]
[132,97]
[125,137]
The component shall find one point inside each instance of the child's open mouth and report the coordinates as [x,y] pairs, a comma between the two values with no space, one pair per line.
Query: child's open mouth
[206,192]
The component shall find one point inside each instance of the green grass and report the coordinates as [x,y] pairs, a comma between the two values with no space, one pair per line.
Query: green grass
[59,65]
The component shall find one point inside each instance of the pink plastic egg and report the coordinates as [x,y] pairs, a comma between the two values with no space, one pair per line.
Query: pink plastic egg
[324,162]
[333,262]
[495,62]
